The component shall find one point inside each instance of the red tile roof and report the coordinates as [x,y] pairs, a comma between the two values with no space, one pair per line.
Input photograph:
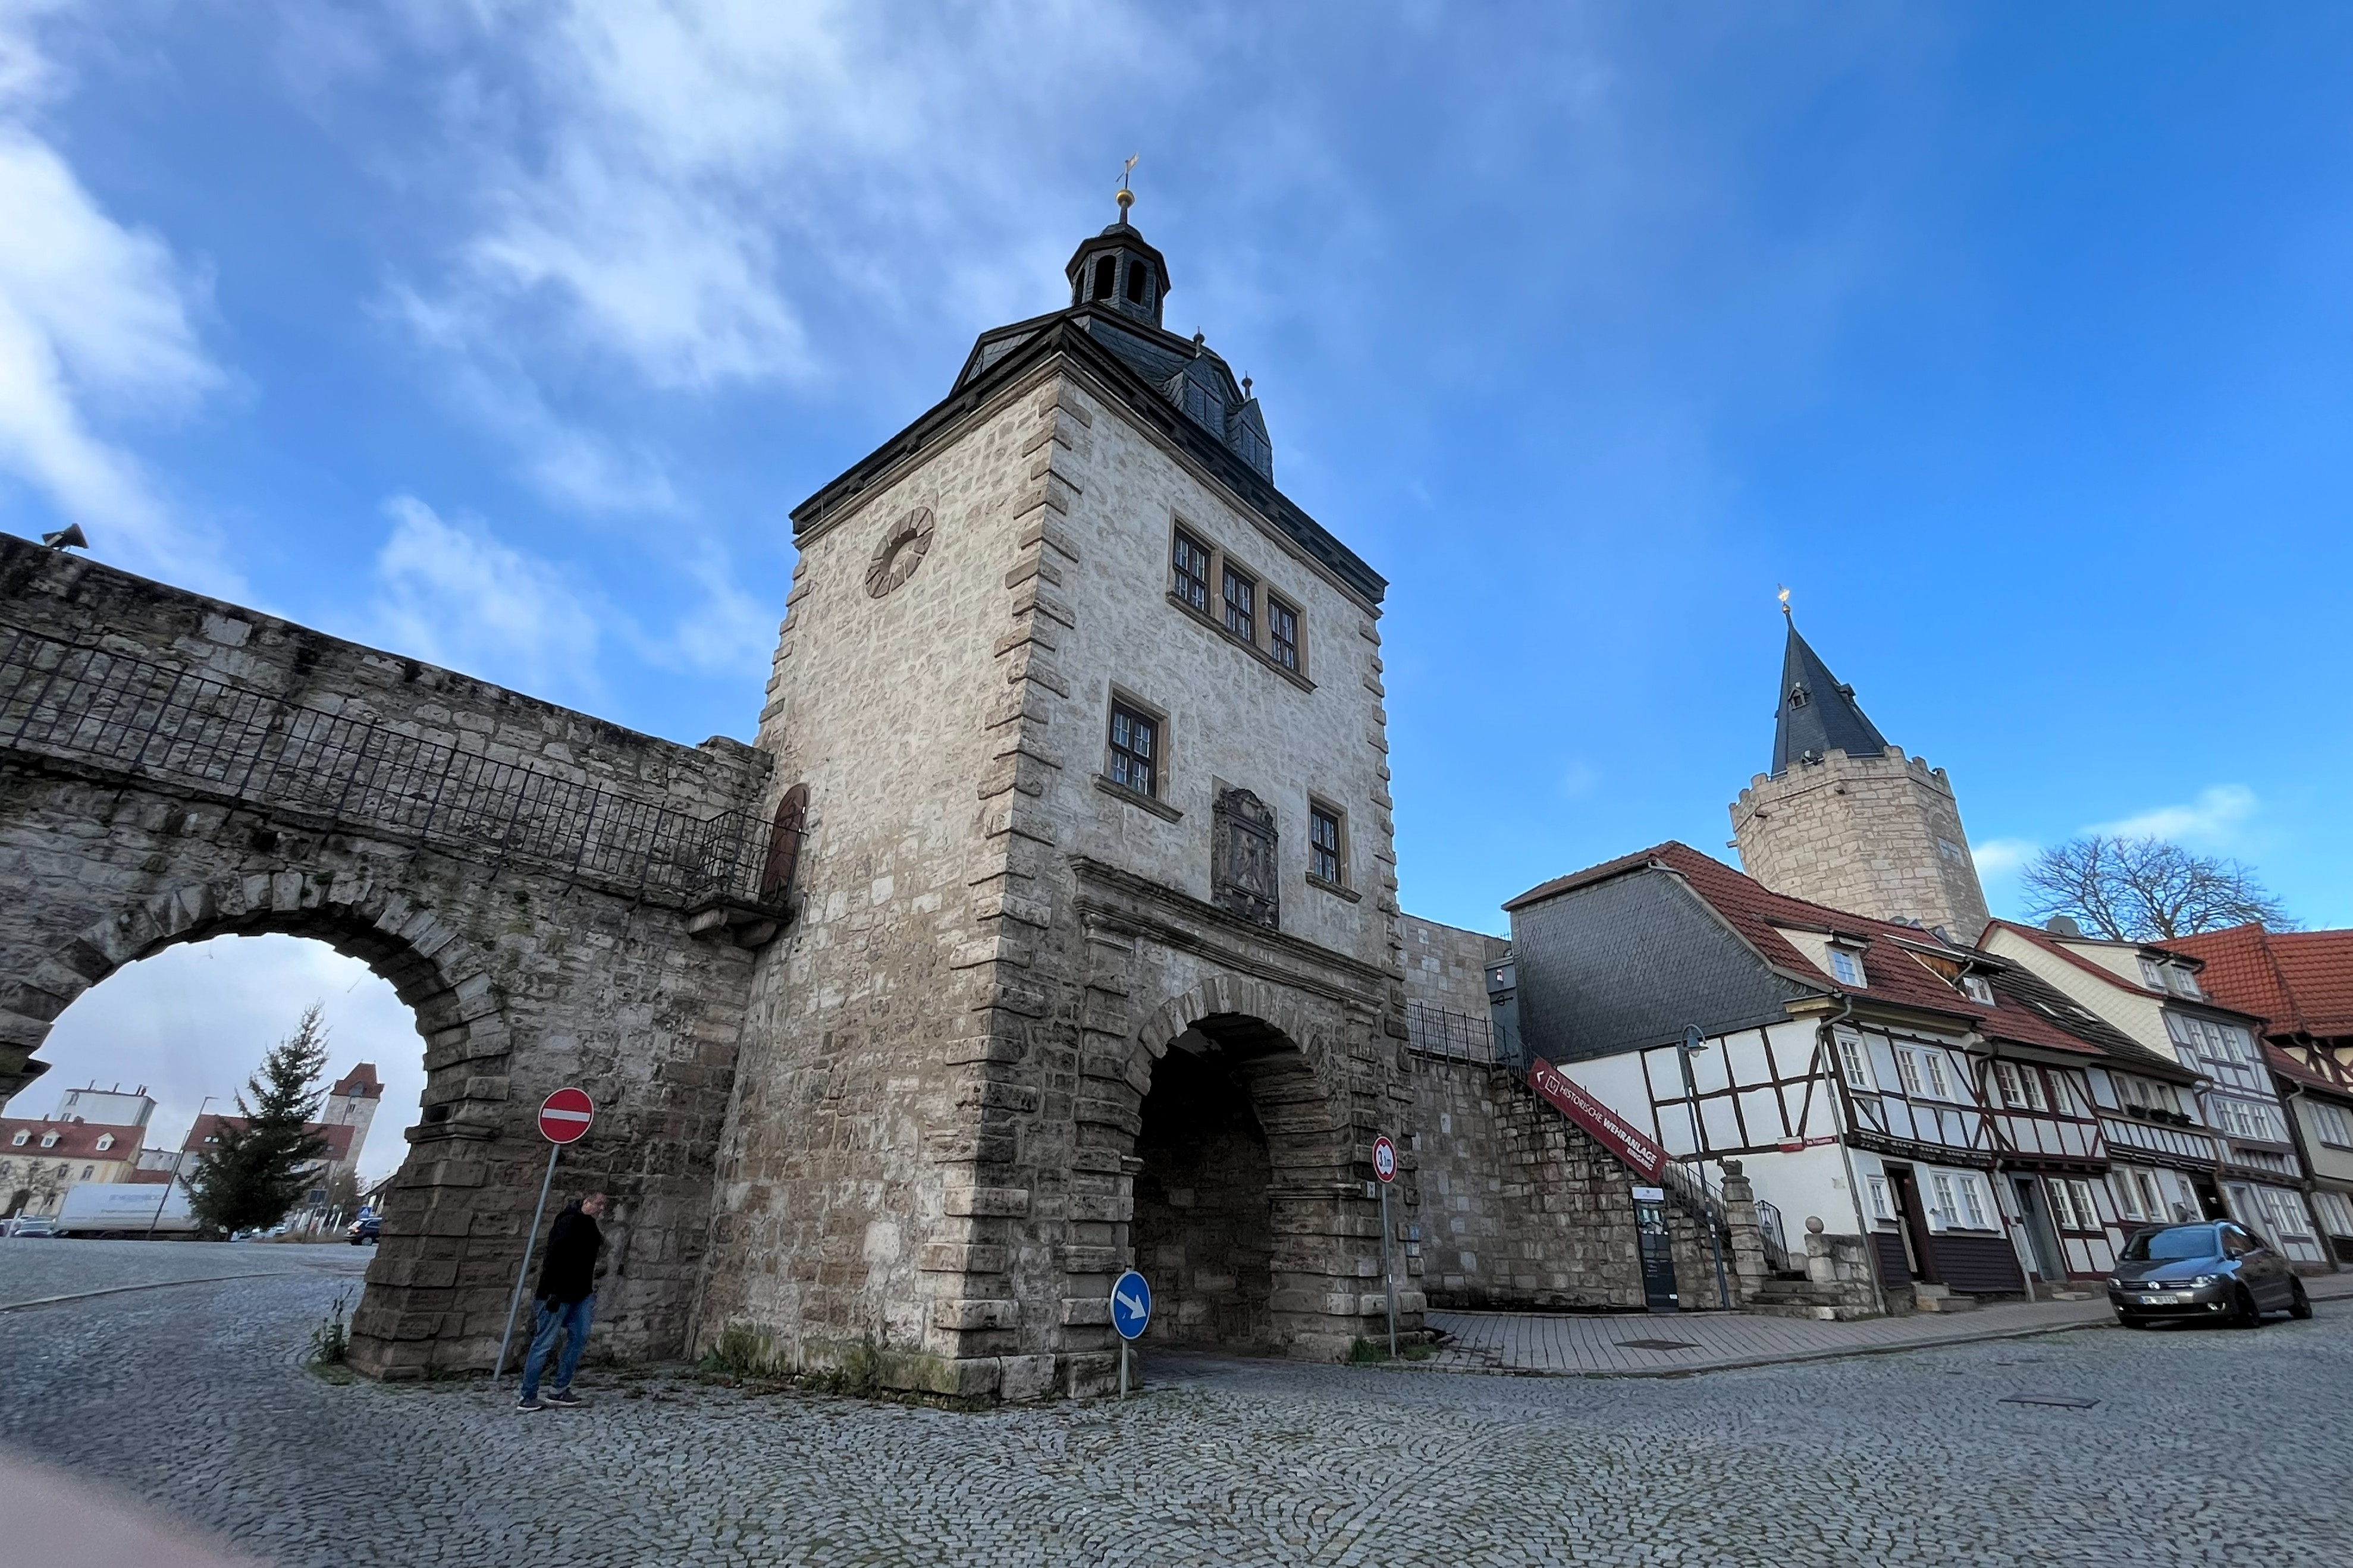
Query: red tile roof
[76,1139]
[337,1134]
[361,1082]
[1890,972]
[2300,980]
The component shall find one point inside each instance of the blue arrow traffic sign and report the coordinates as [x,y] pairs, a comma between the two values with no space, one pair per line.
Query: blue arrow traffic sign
[1130,1305]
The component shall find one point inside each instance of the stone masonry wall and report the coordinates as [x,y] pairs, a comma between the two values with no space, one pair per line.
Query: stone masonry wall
[1865,833]
[1520,1210]
[521,980]
[932,1141]
[1446,966]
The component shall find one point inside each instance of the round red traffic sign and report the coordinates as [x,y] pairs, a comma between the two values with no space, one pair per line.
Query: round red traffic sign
[564,1118]
[1384,1158]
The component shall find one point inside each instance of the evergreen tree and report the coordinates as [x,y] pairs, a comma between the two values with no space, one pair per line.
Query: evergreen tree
[257,1173]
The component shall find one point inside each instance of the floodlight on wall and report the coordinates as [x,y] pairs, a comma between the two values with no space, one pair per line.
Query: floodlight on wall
[70,537]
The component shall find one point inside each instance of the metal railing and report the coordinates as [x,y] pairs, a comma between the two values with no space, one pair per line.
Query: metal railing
[126,714]
[1769,1231]
[1442,1032]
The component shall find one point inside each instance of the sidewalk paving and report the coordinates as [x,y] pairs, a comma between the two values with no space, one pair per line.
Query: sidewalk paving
[1597,1345]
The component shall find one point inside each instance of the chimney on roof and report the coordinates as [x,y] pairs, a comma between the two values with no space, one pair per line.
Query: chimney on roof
[2063,925]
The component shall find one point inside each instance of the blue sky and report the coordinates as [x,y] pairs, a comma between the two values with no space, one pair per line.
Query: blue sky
[2016,341]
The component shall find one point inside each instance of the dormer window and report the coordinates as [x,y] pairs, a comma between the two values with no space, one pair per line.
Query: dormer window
[1977,988]
[1798,697]
[1847,965]
[105,1142]
[48,1140]
[22,1138]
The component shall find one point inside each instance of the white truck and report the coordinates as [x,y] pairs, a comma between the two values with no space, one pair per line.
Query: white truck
[127,1210]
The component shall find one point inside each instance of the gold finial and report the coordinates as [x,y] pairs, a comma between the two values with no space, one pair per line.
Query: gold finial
[1126,198]
[1785,601]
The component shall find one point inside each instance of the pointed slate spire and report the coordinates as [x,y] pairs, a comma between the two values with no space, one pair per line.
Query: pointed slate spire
[1818,715]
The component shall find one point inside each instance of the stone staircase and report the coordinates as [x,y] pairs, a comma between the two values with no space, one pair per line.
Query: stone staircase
[1793,1294]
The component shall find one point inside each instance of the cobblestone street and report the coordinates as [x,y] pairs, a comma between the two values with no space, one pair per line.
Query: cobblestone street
[2211,1445]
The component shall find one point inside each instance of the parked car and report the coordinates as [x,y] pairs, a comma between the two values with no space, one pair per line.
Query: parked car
[364,1229]
[2214,1270]
[33,1225]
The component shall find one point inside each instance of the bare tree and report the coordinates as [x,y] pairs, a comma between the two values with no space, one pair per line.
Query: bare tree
[2146,889]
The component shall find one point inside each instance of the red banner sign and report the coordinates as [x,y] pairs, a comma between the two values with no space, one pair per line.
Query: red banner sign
[1605,1126]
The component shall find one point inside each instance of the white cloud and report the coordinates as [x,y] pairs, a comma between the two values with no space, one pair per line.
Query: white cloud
[676,189]
[94,320]
[456,595]
[2212,819]
[2002,856]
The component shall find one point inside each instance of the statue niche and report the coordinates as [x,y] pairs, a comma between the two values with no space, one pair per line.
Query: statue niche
[1242,863]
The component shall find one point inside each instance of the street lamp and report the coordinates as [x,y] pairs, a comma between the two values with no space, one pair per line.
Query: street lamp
[1691,1045]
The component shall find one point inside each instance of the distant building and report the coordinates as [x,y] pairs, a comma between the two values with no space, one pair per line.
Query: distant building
[43,1160]
[2301,982]
[343,1120]
[114,1107]
[1847,821]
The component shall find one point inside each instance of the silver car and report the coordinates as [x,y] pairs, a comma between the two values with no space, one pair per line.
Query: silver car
[2212,1270]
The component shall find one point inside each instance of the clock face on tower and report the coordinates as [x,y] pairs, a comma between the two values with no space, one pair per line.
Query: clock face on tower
[900,552]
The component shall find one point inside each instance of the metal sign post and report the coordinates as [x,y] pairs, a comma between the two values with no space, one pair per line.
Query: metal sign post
[564,1118]
[1131,1314]
[1385,1167]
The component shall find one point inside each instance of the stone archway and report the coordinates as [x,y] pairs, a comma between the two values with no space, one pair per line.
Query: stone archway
[1245,1194]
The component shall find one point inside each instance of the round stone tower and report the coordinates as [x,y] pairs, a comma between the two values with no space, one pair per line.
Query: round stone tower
[1847,820]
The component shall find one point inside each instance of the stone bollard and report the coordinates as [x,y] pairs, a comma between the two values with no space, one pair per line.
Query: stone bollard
[1742,1235]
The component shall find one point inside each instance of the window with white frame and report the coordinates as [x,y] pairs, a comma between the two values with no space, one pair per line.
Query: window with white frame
[1977,988]
[2249,1119]
[1875,1188]
[2336,1214]
[105,1142]
[1847,965]
[1946,1205]
[2127,1199]
[2330,1122]
[2284,1212]
[48,1140]
[1855,1063]
[1975,1210]
[2225,1050]
[2020,1085]
[22,1138]
[1924,1073]
[2083,1212]
[1908,1069]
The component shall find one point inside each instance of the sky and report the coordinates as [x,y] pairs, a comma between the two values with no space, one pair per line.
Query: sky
[2016,341]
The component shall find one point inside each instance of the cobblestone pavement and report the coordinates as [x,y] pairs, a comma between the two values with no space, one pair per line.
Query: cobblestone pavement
[35,1268]
[1552,1342]
[2205,1445]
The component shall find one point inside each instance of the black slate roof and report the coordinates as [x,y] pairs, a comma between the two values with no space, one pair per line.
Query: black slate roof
[1818,715]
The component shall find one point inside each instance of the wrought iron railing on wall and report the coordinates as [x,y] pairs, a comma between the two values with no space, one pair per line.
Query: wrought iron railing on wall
[120,713]
[1442,1032]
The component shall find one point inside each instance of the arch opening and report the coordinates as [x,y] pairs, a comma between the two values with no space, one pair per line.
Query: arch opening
[143,1063]
[1231,1144]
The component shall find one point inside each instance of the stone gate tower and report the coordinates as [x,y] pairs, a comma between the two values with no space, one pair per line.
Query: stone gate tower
[1093,958]
[1847,820]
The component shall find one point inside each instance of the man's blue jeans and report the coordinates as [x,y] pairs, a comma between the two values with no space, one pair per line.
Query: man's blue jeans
[555,1318]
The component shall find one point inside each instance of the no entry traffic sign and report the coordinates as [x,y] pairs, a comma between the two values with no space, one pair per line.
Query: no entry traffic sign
[565,1116]
[1384,1158]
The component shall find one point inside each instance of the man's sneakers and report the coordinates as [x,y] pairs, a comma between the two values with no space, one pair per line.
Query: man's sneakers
[563,1399]
[529,1402]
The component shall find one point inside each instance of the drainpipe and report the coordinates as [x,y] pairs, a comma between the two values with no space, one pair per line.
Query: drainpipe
[1826,1050]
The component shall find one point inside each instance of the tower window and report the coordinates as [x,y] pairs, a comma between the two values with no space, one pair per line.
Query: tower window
[1134,737]
[1136,282]
[1241,605]
[1282,632]
[1106,273]
[1798,697]
[1190,558]
[1324,844]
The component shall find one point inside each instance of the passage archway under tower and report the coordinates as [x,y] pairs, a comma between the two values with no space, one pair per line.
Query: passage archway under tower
[1237,1190]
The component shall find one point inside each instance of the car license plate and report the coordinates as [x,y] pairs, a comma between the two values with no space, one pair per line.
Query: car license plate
[2161,1299]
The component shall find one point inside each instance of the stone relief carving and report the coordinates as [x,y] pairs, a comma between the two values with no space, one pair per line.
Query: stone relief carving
[1243,879]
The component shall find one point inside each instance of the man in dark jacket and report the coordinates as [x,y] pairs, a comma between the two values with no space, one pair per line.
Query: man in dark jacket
[567,1292]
